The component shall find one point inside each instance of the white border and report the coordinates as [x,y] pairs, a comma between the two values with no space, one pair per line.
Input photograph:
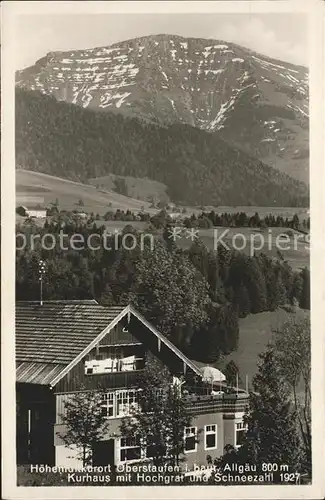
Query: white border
[313,8]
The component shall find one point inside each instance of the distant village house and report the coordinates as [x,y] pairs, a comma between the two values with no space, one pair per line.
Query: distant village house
[36,212]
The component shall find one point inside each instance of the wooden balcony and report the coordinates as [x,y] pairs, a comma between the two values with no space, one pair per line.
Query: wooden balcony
[224,403]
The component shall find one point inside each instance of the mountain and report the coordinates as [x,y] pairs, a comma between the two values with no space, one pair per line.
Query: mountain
[257,104]
[198,167]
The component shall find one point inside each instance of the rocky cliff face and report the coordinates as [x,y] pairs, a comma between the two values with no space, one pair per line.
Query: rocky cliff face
[255,103]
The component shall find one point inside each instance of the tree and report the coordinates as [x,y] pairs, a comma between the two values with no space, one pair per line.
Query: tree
[231,372]
[204,222]
[295,222]
[226,326]
[256,286]
[120,186]
[198,255]
[293,354]
[85,423]
[304,302]
[157,421]
[272,431]
[168,237]
[170,292]
[241,301]
[160,219]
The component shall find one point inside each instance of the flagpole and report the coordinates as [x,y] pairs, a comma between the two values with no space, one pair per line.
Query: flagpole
[41,272]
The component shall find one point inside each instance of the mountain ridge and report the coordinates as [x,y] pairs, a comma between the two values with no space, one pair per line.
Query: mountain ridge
[256,103]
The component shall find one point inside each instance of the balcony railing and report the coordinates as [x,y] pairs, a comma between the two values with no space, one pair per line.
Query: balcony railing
[216,403]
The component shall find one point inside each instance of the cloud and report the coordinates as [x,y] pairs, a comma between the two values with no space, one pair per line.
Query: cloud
[254,34]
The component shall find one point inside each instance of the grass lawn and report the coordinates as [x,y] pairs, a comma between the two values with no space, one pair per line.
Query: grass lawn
[255,332]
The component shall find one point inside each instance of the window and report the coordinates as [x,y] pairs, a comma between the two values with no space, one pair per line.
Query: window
[210,437]
[125,401]
[190,439]
[240,431]
[119,403]
[108,404]
[130,449]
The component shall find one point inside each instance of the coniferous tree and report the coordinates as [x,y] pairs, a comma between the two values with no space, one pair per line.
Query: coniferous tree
[168,238]
[256,285]
[272,434]
[272,426]
[241,301]
[292,350]
[304,302]
[231,372]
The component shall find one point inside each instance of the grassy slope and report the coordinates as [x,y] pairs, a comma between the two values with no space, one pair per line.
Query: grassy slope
[255,331]
[137,188]
[296,255]
[35,187]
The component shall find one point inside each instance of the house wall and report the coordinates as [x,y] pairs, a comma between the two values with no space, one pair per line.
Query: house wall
[230,420]
[199,456]
[76,379]
[36,213]
[67,457]
[34,424]
[225,435]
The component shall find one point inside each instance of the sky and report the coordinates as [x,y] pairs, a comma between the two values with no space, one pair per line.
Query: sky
[279,35]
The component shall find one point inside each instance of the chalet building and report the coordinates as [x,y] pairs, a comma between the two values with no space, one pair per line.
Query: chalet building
[33,212]
[63,346]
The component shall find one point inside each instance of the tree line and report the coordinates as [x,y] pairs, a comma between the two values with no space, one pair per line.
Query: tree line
[201,220]
[241,219]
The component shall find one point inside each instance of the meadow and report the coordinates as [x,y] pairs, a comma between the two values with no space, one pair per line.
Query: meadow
[255,333]
[37,188]
[295,252]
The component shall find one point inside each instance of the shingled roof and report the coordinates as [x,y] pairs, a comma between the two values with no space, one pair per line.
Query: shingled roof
[57,332]
[52,336]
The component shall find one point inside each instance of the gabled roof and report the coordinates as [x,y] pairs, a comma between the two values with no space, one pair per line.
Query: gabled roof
[166,341]
[57,332]
[32,207]
[52,338]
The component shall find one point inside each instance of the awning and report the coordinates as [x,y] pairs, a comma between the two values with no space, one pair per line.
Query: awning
[211,374]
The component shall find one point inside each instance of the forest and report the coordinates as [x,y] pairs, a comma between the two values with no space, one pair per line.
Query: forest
[194,296]
[198,167]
